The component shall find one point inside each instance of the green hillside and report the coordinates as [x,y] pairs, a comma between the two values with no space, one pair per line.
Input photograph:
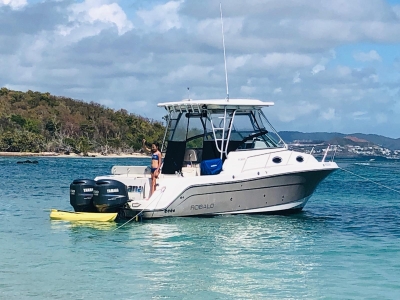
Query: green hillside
[37,122]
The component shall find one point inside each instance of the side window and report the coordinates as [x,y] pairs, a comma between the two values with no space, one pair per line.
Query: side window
[196,143]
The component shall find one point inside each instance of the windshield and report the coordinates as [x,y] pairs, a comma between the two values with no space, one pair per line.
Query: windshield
[238,131]
[248,130]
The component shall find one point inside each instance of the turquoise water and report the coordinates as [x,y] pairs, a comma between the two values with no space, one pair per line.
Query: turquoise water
[345,245]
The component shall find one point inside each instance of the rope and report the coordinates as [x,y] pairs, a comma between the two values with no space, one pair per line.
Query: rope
[367,179]
[130,220]
[160,196]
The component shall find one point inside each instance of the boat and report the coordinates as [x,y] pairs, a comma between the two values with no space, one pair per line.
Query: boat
[221,156]
[82,216]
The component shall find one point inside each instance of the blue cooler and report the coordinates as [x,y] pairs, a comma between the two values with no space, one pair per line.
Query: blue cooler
[211,167]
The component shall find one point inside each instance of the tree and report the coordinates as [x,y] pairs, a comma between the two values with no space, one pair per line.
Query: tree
[64,124]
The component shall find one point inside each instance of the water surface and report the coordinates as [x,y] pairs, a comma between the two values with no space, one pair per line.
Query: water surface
[344,245]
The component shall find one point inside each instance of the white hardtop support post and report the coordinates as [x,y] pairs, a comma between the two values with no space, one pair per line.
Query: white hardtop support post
[326,153]
[229,131]
[224,140]
[223,133]
[167,129]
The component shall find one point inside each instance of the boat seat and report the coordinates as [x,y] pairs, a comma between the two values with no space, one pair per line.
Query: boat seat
[191,171]
[137,170]
[193,156]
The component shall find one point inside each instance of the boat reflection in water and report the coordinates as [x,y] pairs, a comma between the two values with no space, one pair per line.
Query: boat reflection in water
[60,225]
[272,253]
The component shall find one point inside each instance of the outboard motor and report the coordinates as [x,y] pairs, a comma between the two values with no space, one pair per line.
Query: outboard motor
[109,195]
[81,195]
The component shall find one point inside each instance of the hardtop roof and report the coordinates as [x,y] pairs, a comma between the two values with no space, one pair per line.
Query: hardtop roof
[216,104]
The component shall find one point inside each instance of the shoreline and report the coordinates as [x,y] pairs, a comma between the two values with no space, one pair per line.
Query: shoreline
[72,155]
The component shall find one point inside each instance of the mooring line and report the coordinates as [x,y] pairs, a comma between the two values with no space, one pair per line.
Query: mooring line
[128,220]
[138,214]
[367,179]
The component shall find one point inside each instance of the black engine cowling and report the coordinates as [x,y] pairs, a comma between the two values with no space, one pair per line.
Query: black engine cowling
[81,195]
[109,195]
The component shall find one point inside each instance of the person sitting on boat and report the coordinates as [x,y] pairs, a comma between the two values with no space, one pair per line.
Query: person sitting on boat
[156,161]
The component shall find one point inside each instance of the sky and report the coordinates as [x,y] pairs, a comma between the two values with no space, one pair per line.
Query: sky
[327,65]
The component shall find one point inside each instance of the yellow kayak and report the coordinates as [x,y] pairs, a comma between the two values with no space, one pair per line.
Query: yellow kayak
[82,216]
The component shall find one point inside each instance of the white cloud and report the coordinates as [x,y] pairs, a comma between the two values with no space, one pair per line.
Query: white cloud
[381,118]
[140,103]
[343,71]
[234,63]
[290,60]
[373,78]
[307,24]
[296,78]
[277,91]
[329,114]
[396,9]
[360,115]
[93,11]
[332,53]
[189,72]
[248,90]
[106,102]
[14,4]
[163,16]
[317,68]
[367,56]
[303,108]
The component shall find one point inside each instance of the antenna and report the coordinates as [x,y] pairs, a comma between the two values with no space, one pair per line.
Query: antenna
[188,93]
[223,45]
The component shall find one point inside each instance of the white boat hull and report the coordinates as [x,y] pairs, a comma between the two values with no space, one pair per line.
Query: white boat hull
[268,194]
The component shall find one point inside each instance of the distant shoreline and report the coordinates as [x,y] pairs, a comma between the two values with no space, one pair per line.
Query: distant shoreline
[72,155]
[139,155]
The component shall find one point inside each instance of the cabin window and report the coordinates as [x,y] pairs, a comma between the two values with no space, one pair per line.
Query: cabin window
[277,160]
[249,132]
[195,133]
[300,159]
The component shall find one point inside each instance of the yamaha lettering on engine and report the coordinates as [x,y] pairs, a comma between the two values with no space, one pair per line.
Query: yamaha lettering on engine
[109,195]
[81,195]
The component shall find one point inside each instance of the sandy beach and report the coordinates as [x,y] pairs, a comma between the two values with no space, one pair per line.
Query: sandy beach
[73,155]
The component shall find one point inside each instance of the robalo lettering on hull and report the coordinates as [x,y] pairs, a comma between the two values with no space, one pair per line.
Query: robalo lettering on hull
[201,206]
